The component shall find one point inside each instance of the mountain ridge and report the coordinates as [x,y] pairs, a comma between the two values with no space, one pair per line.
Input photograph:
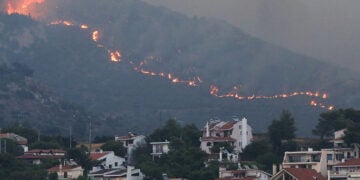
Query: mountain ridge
[70,62]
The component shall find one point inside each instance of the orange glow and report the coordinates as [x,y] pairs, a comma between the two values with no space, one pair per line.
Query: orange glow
[324,96]
[84,26]
[68,23]
[214,91]
[21,6]
[95,36]
[115,56]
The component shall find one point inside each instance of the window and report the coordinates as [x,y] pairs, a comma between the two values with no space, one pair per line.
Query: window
[208,144]
[110,166]
[158,148]
[116,164]
[329,157]
[65,174]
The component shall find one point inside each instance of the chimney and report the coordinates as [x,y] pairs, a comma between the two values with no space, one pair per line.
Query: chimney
[274,169]
[244,142]
[128,174]
[207,129]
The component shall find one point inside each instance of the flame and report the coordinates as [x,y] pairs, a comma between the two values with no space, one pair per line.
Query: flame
[84,26]
[115,56]
[21,6]
[95,36]
[214,91]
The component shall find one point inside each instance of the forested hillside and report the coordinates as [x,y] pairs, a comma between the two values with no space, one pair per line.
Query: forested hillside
[76,67]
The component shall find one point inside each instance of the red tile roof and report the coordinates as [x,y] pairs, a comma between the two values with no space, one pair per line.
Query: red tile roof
[234,178]
[97,155]
[228,125]
[31,156]
[239,171]
[351,162]
[217,139]
[45,151]
[63,168]
[304,174]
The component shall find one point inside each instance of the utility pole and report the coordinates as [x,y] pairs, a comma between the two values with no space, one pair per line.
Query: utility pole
[70,144]
[90,136]
[38,139]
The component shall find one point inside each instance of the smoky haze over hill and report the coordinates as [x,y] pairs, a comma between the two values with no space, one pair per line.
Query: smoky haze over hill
[68,60]
[324,29]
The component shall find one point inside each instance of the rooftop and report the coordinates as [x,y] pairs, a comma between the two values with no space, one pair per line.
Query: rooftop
[351,162]
[98,155]
[304,174]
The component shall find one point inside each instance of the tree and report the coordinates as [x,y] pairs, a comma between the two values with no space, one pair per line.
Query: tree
[115,146]
[226,145]
[185,158]
[44,145]
[255,149]
[352,134]
[30,134]
[282,129]
[81,157]
[170,130]
[331,121]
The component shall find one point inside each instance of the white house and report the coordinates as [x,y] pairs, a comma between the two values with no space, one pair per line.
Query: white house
[117,174]
[131,139]
[248,173]
[108,160]
[322,161]
[160,148]
[349,170]
[237,133]
[297,174]
[67,171]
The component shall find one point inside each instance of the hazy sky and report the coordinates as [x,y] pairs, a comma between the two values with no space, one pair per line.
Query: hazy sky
[325,29]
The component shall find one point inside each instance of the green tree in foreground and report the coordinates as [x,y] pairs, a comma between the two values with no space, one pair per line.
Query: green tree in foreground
[115,146]
[281,129]
[185,159]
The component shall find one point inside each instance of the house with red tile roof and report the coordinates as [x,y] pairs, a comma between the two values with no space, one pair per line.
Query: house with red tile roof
[67,171]
[236,132]
[323,160]
[107,160]
[349,170]
[16,138]
[131,139]
[35,156]
[243,174]
[298,174]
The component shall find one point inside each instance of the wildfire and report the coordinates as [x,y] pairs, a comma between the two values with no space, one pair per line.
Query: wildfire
[95,36]
[21,6]
[84,26]
[115,56]
[214,90]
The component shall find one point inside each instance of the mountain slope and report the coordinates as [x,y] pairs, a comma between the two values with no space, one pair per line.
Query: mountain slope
[69,61]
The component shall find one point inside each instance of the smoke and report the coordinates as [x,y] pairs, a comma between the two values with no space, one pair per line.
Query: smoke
[324,29]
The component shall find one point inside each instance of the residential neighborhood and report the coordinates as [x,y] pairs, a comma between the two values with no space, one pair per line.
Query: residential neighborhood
[221,150]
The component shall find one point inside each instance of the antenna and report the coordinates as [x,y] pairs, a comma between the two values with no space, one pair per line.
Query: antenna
[70,144]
